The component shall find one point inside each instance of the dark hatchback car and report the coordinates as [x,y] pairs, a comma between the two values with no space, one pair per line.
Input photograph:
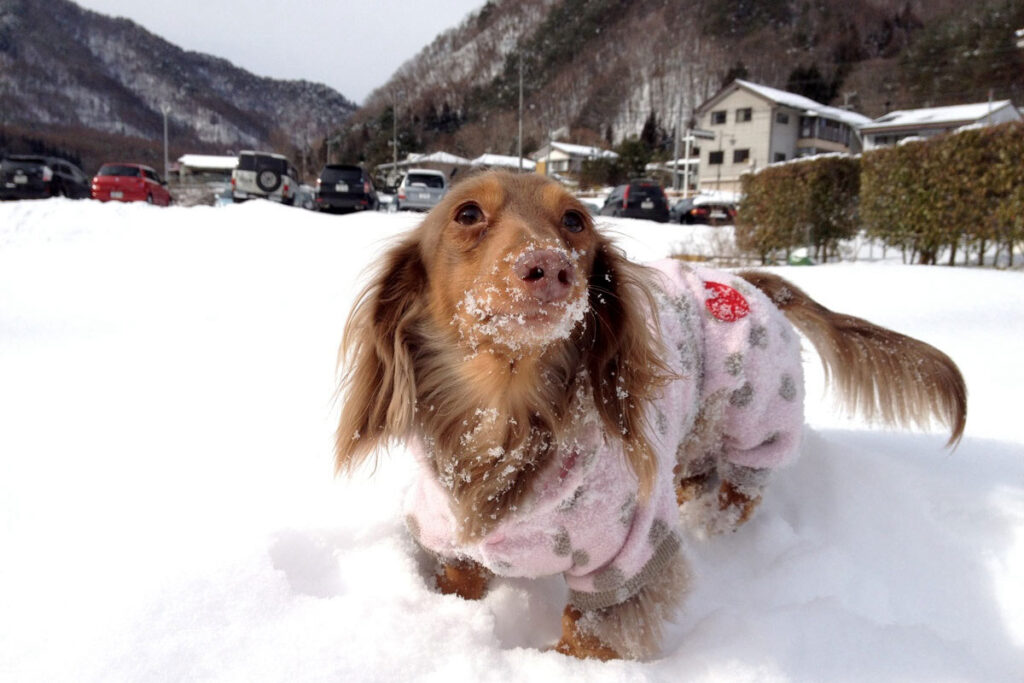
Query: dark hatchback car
[343,188]
[704,211]
[642,198]
[24,176]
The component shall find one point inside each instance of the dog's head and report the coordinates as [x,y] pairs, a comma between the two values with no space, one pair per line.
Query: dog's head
[510,255]
[501,286]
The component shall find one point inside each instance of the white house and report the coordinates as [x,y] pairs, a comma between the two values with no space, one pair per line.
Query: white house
[889,129]
[556,158]
[503,162]
[206,166]
[755,125]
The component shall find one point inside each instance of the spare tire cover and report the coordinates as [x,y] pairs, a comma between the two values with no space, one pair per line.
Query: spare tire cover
[267,179]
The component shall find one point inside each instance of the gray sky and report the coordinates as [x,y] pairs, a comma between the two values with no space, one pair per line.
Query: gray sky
[352,46]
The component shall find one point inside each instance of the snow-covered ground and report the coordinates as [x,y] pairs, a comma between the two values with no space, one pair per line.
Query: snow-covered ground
[168,511]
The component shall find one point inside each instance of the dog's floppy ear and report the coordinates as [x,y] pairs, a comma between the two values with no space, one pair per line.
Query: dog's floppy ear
[624,358]
[378,389]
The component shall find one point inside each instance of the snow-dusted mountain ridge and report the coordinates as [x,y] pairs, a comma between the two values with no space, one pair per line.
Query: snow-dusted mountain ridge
[65,69]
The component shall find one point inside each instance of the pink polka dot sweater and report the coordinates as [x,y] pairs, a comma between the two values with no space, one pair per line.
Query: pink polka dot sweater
[739,365]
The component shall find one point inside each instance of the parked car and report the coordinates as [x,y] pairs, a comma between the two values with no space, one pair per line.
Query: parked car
[640,198]
[264,175]
[24,176]
[704,210]
[305,197]
[342,187]
[421,189]
[130,183]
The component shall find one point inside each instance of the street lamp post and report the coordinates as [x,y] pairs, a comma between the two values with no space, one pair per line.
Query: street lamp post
[165,108]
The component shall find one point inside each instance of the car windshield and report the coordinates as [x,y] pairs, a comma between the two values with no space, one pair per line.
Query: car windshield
[23,162]
[348,174]
[119,169]
[425,180]
[253,162]
[650,191]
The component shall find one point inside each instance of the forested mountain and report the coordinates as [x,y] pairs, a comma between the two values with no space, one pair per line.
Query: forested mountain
[608,70]
[90,85]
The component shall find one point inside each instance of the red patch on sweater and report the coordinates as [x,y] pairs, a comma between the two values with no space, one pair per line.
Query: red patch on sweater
[725,303]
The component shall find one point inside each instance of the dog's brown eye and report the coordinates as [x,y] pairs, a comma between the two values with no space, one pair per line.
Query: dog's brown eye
[470,214]
[572,221]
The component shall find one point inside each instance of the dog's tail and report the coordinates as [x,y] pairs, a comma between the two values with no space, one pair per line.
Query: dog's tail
[880,373]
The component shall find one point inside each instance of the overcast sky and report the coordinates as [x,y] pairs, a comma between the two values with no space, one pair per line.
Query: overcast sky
[352,46]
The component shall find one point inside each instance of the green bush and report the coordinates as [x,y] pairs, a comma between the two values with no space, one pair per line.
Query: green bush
[953,193]
[811,203]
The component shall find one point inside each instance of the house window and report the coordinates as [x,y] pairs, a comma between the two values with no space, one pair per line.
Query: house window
[782,117]
[779,156]
[744,115]
[808,124]
[718,118]
[716,158]
[740,155]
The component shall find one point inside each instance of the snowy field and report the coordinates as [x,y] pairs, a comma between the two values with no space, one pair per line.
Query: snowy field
[168,510]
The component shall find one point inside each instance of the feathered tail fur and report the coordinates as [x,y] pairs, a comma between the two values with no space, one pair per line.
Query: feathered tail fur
[882,374]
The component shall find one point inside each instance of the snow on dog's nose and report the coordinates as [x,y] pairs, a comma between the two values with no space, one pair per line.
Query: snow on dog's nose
[547,274]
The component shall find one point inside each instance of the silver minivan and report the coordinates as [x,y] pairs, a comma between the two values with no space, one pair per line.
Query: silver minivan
[421,189]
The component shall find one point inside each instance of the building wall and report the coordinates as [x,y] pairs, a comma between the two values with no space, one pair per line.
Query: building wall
[785,133]
[751,137]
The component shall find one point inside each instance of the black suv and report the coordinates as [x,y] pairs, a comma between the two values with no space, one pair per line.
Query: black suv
[24,176]
[640,198]
[341,187]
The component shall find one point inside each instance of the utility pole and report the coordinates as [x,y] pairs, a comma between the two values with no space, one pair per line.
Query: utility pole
[165,108]
[520,140]
[675,147]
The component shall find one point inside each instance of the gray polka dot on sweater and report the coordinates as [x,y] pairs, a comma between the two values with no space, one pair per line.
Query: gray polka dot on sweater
[659,530]
[626,511]
[562,543]
[580,558]
[734,364]
[787,389]
[662,421]
[742,397]
[609,579]
[759,336]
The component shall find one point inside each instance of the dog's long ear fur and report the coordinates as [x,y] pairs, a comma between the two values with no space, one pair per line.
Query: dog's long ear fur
[881,373]
[378,389]
[624,357]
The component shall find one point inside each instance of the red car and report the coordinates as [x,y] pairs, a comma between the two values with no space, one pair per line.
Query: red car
[130,183]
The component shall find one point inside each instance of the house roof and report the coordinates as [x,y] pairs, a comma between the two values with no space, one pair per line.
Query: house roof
[208,161]
[793,101]
[502,161]
[937,117]
[437,158]
[578,151]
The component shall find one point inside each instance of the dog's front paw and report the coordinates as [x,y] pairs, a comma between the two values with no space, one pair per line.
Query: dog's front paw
[736,503]
[721,510]
[464,578]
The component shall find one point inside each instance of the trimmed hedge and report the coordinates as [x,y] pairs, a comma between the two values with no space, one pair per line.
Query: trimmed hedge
[810,202]
[955,193]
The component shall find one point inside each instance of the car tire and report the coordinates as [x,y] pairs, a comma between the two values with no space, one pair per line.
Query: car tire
[267,179]
[149,199]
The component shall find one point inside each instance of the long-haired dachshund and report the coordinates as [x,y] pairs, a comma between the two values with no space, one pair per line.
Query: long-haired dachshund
[569,410]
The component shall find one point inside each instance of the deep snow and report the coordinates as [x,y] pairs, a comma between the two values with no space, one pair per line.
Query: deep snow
[168,511]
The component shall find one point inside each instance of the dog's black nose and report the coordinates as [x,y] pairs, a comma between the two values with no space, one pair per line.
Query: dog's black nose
[547,274]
